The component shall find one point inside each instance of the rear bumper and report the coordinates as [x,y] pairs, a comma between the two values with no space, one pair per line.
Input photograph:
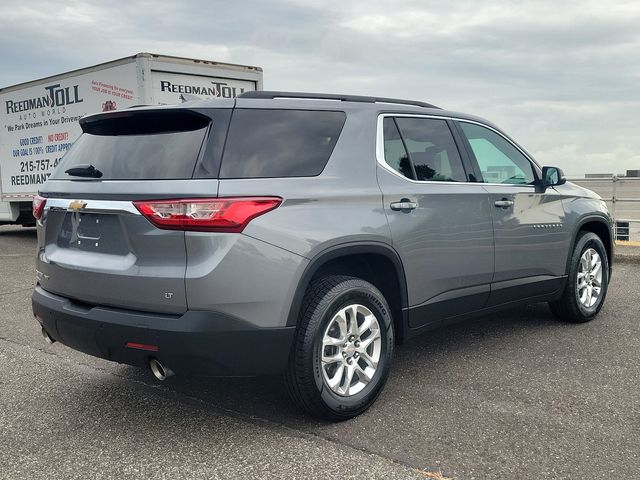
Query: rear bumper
[197,342]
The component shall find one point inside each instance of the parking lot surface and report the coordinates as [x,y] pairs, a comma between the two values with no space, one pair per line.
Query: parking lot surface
[516,395]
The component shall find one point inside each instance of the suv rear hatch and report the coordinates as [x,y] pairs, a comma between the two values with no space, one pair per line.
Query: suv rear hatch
[94,245]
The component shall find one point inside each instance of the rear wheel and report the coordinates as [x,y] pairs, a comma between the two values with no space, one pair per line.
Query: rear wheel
[343,348]
[587,282]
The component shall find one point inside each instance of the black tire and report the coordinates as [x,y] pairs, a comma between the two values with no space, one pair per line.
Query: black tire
[568,307]
[304,377]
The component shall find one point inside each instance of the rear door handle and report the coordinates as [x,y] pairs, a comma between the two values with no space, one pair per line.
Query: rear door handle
[404,204]
[504,203]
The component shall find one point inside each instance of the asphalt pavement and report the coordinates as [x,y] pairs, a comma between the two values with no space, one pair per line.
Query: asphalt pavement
[515,395]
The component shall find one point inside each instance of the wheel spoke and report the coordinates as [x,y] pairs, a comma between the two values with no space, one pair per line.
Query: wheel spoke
[328,341]
[368,360]
[336,379]
[366,324]
[596,268]
[353,320]
[364,344]
[363,375]
[329,359]
[341,322]
[583,296]
[348,378]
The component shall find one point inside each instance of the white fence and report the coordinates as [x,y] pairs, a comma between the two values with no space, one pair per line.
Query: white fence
[622,195]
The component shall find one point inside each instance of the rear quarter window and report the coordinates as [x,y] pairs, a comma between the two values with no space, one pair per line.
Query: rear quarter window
[280,143]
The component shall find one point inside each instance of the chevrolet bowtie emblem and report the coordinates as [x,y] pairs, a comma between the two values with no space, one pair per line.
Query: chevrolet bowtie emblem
[77,205]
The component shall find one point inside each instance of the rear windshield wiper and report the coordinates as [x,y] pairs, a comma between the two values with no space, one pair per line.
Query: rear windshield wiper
[84,171]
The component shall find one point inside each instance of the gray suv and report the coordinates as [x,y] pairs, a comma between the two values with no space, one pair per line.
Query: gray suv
[304,235]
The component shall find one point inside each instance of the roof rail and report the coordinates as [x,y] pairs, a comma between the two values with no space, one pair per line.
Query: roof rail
[330,96]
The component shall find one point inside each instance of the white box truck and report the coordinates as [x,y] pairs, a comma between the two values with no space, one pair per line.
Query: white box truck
[39,119]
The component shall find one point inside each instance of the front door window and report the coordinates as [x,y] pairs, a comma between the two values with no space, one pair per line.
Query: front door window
[498,159]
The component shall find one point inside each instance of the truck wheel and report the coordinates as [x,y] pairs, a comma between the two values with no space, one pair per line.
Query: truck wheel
[343,348]
[587,282]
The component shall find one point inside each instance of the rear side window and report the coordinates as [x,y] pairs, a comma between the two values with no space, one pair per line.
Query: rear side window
[280,143]
[432,150]
[395,153]
[139,146]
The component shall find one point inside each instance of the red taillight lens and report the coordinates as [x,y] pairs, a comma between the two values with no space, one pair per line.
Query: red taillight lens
[38,206]
[206,214]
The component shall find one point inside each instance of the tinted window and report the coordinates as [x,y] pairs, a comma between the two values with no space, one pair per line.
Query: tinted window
[432,150]
[499,160]
[138,146]
[395,155]
[280,143]
[209,164]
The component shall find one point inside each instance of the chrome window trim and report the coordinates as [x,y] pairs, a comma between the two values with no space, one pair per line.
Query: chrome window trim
[380,149]
[92,206]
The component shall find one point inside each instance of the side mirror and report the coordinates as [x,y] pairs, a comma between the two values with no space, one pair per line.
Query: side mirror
[552,176]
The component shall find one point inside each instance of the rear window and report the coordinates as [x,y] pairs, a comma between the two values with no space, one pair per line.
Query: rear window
[280,143]
[139,145]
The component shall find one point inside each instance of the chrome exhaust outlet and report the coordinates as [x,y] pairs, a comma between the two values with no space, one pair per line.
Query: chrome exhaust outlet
[47,337]
[159,370]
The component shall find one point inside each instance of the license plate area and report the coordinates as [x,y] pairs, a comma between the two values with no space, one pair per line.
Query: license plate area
[93,232]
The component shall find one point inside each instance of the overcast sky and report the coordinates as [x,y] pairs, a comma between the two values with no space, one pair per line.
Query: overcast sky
[563,78]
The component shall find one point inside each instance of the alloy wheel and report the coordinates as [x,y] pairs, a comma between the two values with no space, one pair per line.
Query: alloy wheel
[351,347]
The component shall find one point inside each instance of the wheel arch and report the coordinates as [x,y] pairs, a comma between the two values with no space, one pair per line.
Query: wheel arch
[377,263]
[599,225]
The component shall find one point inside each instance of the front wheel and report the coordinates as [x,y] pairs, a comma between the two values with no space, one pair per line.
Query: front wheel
[343,348]
[587,282]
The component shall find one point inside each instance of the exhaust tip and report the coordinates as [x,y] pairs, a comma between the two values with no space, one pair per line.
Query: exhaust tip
[47,337]
[159,370]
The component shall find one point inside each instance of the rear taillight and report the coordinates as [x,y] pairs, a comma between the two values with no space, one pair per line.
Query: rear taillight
[206,214]
[38,206]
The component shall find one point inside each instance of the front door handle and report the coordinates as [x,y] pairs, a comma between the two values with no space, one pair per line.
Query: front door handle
[404,204]
[504,203]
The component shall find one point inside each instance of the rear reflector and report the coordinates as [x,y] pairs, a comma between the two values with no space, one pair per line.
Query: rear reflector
[206,214]
[142,346]
[38,206]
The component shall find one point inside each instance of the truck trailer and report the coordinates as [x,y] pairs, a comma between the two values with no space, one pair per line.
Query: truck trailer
[39,119]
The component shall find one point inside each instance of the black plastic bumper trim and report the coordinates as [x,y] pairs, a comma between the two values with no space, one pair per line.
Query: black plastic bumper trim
[197,342]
